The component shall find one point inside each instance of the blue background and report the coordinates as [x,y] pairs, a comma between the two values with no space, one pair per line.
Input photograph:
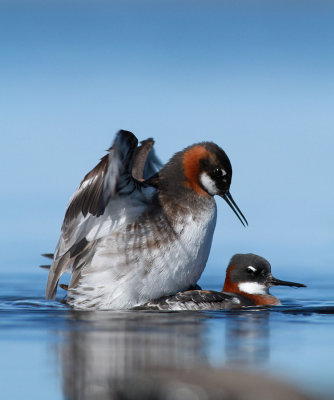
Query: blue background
[254,77]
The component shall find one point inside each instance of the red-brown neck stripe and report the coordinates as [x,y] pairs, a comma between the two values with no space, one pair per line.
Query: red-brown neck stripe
[191,165]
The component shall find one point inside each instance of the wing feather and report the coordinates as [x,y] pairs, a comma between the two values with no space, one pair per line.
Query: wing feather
[202,296]
[89,188]
[102,187]
[152,164]
[145,163]
[192,300]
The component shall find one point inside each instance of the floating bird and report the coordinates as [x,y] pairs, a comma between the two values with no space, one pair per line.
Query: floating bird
[247,283]
[132,234]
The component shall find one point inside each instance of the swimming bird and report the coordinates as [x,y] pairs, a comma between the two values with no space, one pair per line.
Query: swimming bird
[247,283]
[132,233]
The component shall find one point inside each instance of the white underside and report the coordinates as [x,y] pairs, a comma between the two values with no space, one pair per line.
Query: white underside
[127,269]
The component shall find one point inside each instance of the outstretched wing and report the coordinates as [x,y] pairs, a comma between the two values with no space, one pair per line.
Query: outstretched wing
[92,210]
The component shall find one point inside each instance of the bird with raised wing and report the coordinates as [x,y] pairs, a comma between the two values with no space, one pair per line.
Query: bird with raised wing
[133,232]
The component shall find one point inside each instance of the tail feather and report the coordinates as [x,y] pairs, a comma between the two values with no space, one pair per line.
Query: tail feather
[45,266]
[48,255]
[58,267]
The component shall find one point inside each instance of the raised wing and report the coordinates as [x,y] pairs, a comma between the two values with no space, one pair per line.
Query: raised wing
[145,163]
[90,214]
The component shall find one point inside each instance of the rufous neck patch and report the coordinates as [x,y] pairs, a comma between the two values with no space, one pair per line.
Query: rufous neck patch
[191,165]
[229,285]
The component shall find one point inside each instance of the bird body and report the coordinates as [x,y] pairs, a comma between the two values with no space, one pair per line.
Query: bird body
[166,259]
[247,283]
[132,234]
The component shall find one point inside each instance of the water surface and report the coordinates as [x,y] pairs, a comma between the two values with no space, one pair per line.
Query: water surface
[50,351]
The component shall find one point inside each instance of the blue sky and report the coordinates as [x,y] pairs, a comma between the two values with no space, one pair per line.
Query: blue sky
[254,77]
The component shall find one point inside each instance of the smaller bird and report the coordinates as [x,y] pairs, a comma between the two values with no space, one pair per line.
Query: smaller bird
[247,282]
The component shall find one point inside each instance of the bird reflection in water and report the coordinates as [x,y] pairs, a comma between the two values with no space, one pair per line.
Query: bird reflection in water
[247,338]
[162,355]
[104,351]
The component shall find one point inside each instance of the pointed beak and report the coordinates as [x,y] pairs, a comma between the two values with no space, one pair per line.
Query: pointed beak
[229,200]
[278,282]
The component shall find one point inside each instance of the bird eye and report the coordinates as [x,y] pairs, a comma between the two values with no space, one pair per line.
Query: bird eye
[218,172]
[251,269]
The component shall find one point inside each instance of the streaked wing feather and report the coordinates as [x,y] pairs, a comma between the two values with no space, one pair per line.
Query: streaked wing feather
[140,158]
[62,264]
[89,188]
[91,201]
[145,163]
[113,175]
[200,296]
[77,269]
[152,164]
[58,267]
[192,300]
[119,172]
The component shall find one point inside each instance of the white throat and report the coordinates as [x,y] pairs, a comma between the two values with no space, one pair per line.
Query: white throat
[252,288]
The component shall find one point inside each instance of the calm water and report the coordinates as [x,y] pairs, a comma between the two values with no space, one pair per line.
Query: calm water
[49,351]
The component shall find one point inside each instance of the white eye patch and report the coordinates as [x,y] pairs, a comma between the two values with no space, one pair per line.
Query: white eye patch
[208,184]
[224,172]
[250,268]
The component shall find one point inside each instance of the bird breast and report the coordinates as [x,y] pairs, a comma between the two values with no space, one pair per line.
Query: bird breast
[156,255]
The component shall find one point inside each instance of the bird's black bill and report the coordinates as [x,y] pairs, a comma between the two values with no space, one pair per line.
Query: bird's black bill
[229,200]
[278,282]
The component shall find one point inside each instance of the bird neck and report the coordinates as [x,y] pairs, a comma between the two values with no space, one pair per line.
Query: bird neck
[174,188]
[191,167]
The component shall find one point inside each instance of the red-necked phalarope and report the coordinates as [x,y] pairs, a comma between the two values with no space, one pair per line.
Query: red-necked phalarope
[247,283]
[131,237]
